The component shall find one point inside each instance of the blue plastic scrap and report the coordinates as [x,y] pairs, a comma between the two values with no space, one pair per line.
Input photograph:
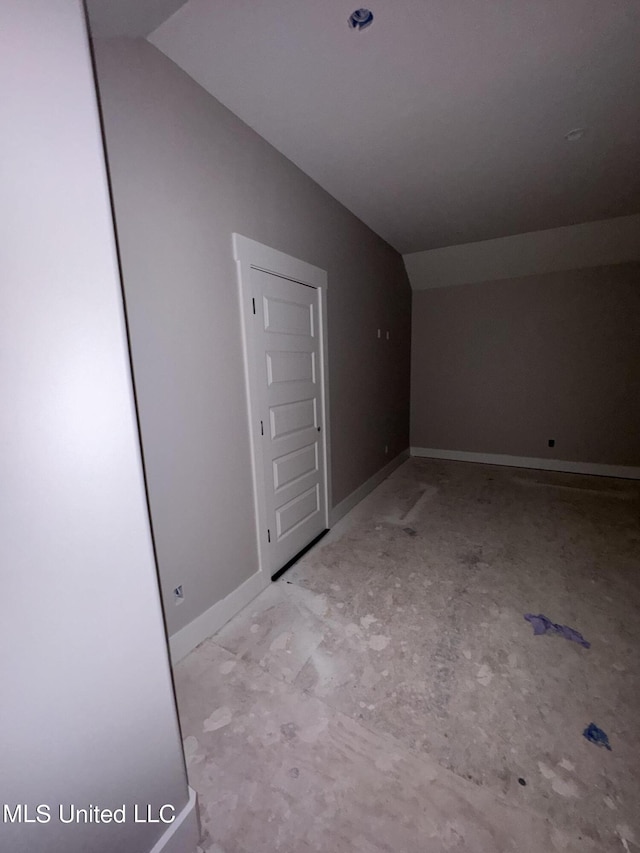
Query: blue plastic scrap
[542,625]
[360,19]
[597,736]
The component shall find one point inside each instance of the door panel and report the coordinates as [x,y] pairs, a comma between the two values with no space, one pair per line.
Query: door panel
[290,367]
[296,512]
[289,468]
[288,318]
[286,347]
[293,417]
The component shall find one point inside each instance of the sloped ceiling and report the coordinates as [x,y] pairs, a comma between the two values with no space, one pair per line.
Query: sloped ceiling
[131,18]
[443,122]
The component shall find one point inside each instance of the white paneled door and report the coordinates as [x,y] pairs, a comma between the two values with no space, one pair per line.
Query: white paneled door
[285,371]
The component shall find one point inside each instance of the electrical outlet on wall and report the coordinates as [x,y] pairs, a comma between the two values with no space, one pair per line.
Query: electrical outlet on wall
[552,442]
[178,595]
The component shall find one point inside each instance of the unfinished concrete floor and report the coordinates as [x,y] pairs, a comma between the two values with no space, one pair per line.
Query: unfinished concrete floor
[387,694]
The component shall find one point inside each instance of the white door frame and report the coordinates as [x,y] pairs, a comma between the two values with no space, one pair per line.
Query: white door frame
[249,255]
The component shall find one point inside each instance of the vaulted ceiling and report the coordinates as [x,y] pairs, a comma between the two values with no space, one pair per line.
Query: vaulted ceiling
[442,122]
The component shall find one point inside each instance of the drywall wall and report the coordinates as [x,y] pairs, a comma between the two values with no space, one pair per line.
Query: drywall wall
[608,241]
[502,367]
[87,716]
[186,174]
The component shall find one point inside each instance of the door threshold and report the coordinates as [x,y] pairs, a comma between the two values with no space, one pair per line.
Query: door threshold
[298,555]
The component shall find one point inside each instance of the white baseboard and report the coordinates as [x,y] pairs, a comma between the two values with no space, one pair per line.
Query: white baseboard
[345,506]
[203,626]
[183,835]
[627,472]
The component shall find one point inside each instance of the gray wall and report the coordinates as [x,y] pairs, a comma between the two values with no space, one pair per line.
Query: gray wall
[87,714]
[590,244]
[187,173]
[503,366]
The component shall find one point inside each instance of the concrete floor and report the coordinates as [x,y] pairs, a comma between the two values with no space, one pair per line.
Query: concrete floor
[387,694]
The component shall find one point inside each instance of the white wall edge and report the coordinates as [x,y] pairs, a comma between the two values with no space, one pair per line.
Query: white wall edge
[340,510]
[183,835]
[627,472]
[203,626]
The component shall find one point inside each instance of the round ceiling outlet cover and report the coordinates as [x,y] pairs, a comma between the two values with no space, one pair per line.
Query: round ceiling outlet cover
[360,19]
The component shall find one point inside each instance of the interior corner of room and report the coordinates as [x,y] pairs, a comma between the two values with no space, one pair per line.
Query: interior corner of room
[513,341]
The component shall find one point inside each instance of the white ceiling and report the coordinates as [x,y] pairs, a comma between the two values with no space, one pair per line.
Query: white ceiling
[444,121]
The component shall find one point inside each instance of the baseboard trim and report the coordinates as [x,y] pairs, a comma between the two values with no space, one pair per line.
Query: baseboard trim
[340,510]
[203,626]
[626,472]
[183,835]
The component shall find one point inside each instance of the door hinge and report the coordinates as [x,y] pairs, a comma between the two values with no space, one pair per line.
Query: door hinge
[261,428]
[268,535]
[254,305]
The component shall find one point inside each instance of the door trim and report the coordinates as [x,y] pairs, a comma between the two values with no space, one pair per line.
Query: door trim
[249,255]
